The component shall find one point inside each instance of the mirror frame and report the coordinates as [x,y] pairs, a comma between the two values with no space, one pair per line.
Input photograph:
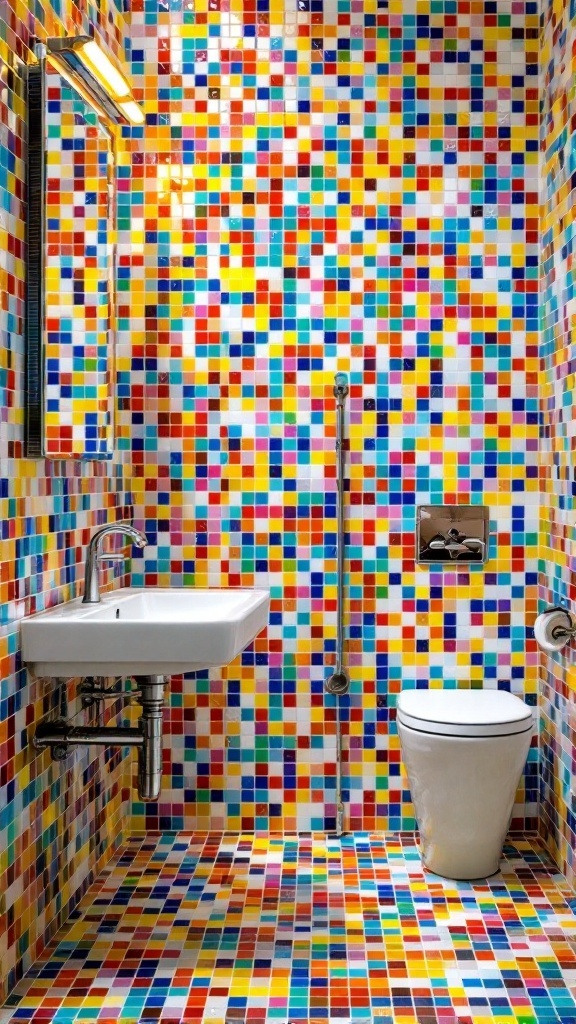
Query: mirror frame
[35,369]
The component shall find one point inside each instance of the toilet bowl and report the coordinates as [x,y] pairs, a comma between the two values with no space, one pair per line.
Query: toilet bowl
[464,751]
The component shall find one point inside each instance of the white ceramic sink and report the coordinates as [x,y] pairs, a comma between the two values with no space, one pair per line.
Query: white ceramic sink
[136,631]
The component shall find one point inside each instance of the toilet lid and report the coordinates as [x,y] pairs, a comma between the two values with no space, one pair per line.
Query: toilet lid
[464,712]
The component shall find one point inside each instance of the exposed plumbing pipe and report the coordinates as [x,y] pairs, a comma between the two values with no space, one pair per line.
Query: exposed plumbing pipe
[338,682]
[150,754]
[60,735]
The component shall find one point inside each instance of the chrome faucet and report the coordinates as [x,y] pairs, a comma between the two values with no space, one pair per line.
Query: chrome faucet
[94,556]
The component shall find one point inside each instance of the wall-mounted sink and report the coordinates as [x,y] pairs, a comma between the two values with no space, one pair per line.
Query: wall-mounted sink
[135,631]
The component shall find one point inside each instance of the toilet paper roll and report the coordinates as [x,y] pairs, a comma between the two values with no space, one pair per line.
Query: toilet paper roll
[545,625]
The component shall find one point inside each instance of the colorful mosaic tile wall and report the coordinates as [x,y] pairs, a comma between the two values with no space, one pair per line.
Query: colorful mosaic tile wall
[79,405]
[328,186]
[58,823]
[557,582]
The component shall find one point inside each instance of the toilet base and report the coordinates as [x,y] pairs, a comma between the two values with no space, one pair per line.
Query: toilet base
[463,792]
[437,862]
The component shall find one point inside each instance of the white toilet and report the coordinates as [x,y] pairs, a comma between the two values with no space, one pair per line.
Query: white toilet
[464,752]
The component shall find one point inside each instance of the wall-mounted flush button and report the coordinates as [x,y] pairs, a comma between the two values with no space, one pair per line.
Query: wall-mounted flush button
[452,533]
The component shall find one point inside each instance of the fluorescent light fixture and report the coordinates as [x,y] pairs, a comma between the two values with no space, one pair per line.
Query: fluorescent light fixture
[85,61]
[78,85]
[104,70]
[132,110]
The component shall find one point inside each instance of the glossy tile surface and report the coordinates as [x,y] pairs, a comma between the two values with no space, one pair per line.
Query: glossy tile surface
[557,581]
[239,928]
[58,821]
[343,185]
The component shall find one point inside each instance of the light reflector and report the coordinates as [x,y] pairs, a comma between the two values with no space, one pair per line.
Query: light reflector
[87,63]
[132,110]
[104,70]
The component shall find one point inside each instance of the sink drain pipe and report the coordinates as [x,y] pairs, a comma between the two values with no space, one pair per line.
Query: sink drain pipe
[60,735]
[150,753]
[338,682]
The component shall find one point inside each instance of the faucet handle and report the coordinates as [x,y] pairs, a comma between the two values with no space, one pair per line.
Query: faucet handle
[111,557]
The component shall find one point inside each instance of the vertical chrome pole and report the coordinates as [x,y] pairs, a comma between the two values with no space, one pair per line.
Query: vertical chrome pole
[338,682]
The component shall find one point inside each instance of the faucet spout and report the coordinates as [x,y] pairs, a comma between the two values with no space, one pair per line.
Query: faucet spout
[94,556]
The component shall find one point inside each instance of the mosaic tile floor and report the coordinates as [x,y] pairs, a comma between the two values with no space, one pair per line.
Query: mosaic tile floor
[240,928]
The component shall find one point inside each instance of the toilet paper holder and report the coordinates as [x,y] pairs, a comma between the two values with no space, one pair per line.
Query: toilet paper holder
[554,628]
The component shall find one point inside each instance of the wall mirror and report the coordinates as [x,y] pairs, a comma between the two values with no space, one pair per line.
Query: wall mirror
[70,317]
